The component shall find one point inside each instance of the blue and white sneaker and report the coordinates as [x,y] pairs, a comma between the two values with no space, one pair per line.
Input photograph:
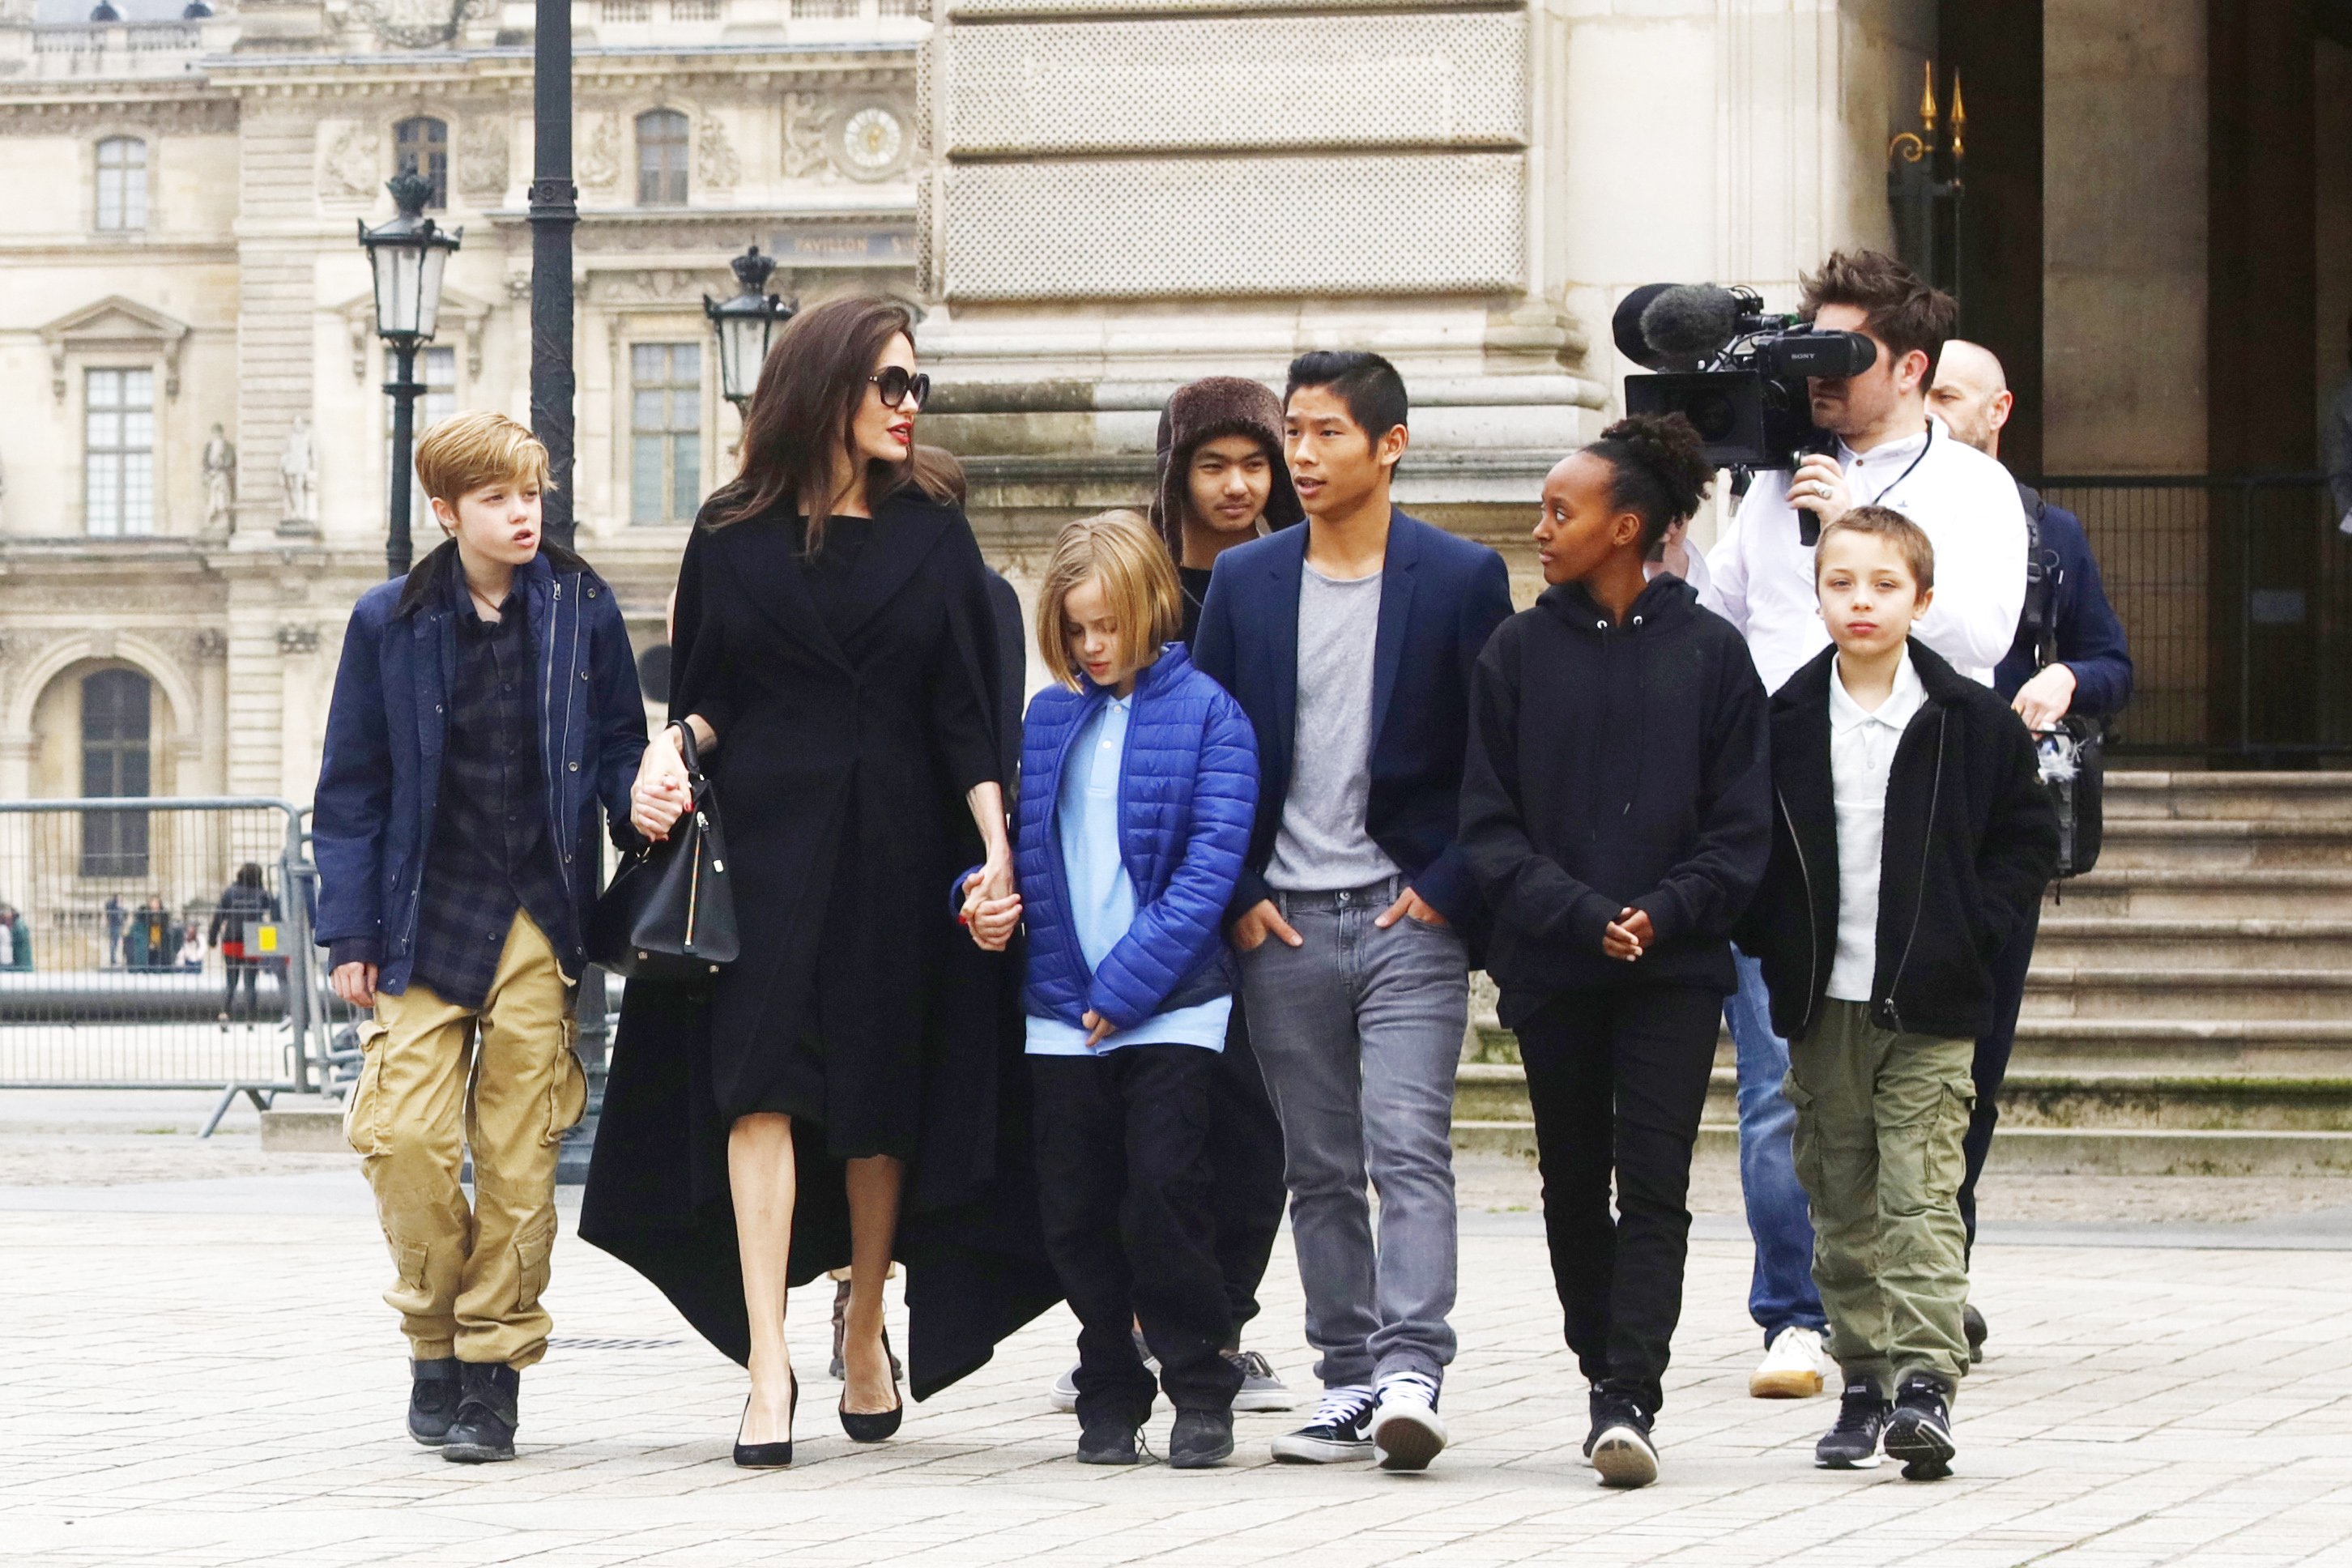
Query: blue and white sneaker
[1342,1430]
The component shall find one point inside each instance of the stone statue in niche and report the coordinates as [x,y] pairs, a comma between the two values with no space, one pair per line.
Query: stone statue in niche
[299,470]
[220,479]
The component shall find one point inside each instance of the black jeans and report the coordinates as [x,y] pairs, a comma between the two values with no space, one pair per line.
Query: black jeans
[1618,1077]
[1246,1191]
[1123,1187]
[249,971]
[2008,967]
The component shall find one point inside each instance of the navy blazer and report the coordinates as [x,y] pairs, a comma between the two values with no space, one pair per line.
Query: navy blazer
[2090,638]
[1440,599]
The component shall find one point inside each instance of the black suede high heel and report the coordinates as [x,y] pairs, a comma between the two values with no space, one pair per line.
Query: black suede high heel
[879,1425]
[769,1455]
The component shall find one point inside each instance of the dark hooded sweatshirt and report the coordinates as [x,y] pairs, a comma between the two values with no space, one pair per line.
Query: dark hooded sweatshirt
[1970,842]
[1199,412]
[1613,766]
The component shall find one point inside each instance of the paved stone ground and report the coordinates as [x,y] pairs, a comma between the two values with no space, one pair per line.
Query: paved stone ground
[200,1373]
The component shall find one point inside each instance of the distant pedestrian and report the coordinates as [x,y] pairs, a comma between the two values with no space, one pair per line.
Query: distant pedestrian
[20,937]
[191,951]
[1913,837]
[1617,810]
[486,707]
[244,905]
[152,938]
[117,916]
[1142,780]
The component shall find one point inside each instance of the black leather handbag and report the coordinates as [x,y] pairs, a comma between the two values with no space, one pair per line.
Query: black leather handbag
[669,913]
[2071,755]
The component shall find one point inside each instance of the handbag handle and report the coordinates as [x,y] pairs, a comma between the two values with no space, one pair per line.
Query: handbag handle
[687,752]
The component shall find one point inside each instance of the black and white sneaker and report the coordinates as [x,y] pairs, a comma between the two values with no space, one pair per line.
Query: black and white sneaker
[1406,1432]
[1853,1443]
[1620,1445]
[1342,1430]
[1919,1433]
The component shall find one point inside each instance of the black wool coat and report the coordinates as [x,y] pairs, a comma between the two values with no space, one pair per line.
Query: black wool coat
[1970,841]
[1613,766]
[840,778]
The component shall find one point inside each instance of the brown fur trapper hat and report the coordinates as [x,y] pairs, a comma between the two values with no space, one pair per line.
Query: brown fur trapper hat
[1203,411]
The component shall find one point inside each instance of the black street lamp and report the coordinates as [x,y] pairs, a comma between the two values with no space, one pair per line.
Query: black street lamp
[407,256]
[745,324]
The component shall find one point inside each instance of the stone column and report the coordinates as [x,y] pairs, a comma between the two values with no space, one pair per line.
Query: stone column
[278,220]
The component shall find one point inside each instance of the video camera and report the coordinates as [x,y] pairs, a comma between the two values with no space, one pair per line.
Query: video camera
[1735,372]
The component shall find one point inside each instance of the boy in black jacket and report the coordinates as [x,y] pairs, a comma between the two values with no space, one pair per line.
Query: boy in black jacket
[1616,811]
[1913,836]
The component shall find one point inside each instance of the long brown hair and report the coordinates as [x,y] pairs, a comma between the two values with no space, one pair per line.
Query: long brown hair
[801,414]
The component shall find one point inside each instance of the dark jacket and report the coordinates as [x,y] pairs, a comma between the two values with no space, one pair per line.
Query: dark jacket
[847,746]
[1614,765]
[2089,638]
[1201,412]
[1440,599]
[380,778]
[1187,794]
[240,908]
[1970,842]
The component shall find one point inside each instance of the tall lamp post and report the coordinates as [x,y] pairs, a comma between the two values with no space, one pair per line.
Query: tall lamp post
[407,256]
[745,324]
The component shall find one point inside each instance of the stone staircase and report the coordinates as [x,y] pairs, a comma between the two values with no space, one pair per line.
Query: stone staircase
[2189,1008]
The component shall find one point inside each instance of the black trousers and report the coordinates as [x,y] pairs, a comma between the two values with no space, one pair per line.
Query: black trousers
[248,971]
[1618,1077]
[1123,1187]
[1247,1191]
[2008,967]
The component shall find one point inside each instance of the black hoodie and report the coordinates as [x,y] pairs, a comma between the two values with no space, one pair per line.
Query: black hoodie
[1970,842]
[1609,765]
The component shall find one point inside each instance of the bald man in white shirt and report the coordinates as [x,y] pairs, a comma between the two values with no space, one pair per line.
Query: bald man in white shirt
[1891,452]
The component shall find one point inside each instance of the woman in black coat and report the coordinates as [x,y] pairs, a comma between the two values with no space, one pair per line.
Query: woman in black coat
[835,651]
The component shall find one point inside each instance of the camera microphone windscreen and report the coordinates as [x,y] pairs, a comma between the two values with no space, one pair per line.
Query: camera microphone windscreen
[1685,324]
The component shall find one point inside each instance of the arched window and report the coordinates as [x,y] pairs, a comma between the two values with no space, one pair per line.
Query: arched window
[421,146]
[661,158]
[116,705]
[122,183]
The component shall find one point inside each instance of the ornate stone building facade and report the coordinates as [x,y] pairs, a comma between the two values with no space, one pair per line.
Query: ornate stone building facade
[192,434]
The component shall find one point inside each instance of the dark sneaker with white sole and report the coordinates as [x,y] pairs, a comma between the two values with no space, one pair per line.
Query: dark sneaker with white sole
[1853,1443]
[433,1387]
[1111,1440]
[1919,1433]
[1340,1431]
[1621,1451]
[488,1411]
[1972,1324]
[1406,1431]
[1201,1439]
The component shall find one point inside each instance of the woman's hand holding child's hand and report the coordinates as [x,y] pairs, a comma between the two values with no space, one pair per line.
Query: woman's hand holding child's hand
[991,922]
[663,791]
[1629,935]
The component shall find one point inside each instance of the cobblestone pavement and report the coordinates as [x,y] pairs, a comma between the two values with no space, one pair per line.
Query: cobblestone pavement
[200,1372]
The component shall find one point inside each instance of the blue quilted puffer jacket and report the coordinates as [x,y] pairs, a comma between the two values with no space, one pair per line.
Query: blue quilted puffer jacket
[1187,795]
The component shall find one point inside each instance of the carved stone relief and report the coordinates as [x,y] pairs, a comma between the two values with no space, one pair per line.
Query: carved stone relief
[805,153]
[353,165]
[482,158]
[715,163]
[599,167]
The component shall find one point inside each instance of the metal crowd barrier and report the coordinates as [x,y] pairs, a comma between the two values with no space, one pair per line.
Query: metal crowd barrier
[118,968]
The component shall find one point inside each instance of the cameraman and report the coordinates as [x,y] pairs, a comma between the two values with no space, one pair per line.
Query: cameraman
[1890,452]
[2091,675]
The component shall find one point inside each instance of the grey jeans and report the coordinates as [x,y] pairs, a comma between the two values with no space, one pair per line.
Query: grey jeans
[1359,1032]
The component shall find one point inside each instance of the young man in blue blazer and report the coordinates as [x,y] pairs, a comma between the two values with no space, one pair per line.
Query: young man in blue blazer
[1351,643]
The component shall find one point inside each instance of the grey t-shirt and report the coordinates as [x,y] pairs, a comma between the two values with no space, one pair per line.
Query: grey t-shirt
[1322,844]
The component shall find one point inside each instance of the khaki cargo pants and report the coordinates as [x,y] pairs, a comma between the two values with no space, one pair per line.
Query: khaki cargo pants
[502,1081]
[1880,1117]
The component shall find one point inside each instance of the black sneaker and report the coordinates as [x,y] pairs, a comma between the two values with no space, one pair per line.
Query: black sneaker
[483,1431]
[432,1399]
[1620,1445]
[1340,1431]
[1972,1324]
[1109,1440]
[1853,1443]
[1201,1440]
[1919,1433]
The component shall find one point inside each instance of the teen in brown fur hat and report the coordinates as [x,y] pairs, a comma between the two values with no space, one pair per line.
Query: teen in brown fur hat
[1223,481]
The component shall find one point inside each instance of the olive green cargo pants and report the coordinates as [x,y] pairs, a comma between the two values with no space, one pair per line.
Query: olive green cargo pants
[1880,1117]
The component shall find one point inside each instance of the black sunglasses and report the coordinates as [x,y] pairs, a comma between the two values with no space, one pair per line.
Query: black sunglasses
[896,382]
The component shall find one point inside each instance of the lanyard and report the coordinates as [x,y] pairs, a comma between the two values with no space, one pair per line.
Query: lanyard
[1908,467]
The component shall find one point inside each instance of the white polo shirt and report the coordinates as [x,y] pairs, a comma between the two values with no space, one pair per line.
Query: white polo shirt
[1862,753]
[1762,572]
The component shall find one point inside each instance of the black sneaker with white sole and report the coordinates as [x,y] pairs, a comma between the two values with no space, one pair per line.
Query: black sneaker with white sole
[1342,1430]
[1853,1443]
[1406,1431]
[1919,1433]
[1621,1451]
